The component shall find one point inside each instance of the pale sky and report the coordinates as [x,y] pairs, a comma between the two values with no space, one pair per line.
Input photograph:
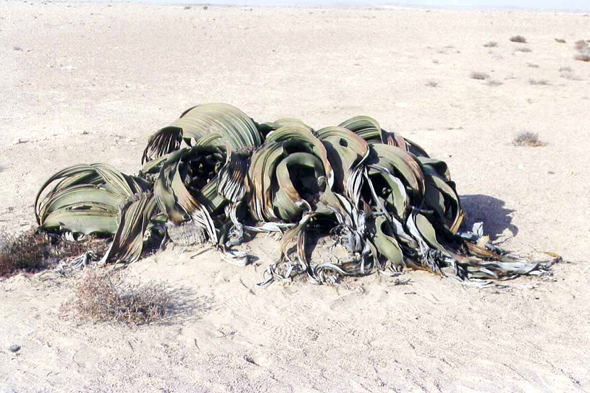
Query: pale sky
[534,4]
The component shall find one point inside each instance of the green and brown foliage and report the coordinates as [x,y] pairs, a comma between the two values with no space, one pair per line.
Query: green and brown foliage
[217,174]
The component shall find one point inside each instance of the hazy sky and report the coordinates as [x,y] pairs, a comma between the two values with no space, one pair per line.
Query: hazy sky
[534,4]
[551,4]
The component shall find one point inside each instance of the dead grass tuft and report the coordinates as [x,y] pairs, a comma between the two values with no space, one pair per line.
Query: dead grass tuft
[27,252]
[529,139]
[479,75]
[33,251]
[103,296]
[523,50]
[493,82]
[538,82]
[580,44]
[584,48]
[518,38]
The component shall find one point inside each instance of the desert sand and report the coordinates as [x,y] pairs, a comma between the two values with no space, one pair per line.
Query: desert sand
[83,83]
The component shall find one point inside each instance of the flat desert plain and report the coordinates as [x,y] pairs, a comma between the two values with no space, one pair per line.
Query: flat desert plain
[84,83]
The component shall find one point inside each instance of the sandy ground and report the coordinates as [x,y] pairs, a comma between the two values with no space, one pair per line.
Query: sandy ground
[84,83]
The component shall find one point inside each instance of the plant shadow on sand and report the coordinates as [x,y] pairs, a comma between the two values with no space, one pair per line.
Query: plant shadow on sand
[491,211]
[186,305]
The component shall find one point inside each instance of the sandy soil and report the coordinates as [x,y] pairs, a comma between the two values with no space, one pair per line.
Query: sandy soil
[84,83]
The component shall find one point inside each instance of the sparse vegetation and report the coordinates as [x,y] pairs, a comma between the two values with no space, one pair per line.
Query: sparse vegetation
[568,73]
[518,38]
[560,40]
[27,252]
[491,44]
[583,47]
[493,82]
[479,75]
[538,82]
[33,251]
[103,296]
[580,45]
[523,50]
[529,139]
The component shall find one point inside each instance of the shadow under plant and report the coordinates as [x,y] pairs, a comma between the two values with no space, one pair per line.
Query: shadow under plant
[491,211]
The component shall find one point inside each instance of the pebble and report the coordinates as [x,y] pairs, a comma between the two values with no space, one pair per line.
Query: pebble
[14,348]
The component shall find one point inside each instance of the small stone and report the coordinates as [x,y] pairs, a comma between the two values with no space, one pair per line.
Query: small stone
[14,348]
[84,133]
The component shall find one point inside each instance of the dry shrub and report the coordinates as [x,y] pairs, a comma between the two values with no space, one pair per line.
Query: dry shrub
[491,44]
[584,48]
[518,38]
[538,82]
[560,40]
[27,252]
[106,297]
[479,75]
[33,251]
[580,45]
[526,138]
